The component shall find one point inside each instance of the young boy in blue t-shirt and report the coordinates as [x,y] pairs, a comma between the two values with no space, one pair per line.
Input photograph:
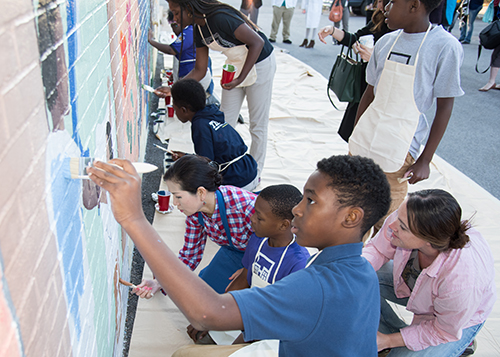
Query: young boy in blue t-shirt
[329,308]
[409,70]
[212,136]
[272,252]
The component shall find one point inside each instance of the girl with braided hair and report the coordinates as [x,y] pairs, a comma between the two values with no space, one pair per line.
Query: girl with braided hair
[431,261]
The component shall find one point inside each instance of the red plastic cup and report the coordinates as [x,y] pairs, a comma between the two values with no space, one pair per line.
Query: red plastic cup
[170,110]
[228,71]
[164,200]
[167,100]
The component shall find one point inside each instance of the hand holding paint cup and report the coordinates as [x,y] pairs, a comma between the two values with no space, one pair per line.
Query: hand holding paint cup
[164,200]
[228,71]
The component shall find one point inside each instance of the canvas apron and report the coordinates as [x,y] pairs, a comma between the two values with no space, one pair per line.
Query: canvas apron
[257,281]
[235,55]
[227,259]
[385,130]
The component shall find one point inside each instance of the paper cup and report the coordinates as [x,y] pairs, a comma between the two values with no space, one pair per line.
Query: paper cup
[164,200]
[170,110]
[228,71]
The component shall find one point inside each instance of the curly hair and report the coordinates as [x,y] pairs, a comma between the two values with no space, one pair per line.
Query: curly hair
[189,93]
[358,182]
[436,217]
[193,171]
[281,198]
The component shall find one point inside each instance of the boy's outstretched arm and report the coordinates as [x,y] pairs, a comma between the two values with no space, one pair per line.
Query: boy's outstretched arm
[420,169]
[203,307]
[365,101]
[162,47]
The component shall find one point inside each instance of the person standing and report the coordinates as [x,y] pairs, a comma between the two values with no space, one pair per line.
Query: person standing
[345,16]
[251,9]
[468,21]
[495,66]
[282,10]
[313,10]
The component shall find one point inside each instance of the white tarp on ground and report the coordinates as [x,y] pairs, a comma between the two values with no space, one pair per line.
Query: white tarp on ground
[302,130]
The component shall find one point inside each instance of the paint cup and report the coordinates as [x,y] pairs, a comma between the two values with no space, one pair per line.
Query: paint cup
[228,71]
[170,110]
[167,100]
[164,200]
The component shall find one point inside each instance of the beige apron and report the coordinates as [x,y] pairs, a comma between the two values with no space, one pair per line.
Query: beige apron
[235,55]
[385,130]
[257,281]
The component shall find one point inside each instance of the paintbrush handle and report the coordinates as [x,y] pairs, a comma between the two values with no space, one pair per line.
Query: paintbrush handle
[126,283]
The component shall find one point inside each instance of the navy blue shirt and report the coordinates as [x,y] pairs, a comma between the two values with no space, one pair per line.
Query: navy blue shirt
[220,142]
[331,308]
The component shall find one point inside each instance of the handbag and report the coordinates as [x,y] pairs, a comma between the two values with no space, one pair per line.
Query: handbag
[347,77]
[489,38]
[336,11]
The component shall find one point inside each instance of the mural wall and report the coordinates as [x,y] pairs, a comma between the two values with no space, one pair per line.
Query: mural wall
[70,76]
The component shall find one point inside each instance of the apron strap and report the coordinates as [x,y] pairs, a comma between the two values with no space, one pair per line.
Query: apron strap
[281,260]
[225,165]
[419,47]
[222,212]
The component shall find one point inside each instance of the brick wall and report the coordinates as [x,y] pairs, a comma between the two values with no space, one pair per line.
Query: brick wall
[70,76]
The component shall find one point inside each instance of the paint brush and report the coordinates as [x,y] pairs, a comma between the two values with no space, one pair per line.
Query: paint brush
[166,150]
[148,88]
[132,286]
[76,167]
[126,283]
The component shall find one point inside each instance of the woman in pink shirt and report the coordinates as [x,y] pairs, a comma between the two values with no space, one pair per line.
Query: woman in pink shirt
[440,268]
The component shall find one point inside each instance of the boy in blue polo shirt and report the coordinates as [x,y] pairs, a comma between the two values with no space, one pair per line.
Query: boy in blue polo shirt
[330,308]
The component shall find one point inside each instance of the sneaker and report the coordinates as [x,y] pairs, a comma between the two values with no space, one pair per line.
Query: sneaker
[288,42]
[464,42]
[271,40]
[470,349]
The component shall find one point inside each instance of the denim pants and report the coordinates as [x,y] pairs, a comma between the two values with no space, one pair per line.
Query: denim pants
[468,23]
[391,323]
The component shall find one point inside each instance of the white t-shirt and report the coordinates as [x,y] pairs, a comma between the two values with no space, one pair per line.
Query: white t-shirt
[437,74]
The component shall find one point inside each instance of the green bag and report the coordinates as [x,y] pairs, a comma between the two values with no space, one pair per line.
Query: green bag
[347,77]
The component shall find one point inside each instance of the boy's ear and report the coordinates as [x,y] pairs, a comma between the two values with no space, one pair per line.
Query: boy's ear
[415,5]
[354,217]
[285,224]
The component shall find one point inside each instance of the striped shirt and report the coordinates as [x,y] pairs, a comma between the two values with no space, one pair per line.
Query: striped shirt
[239,208]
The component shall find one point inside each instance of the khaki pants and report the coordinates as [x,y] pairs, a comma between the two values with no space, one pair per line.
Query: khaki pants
[281,13]
[398,190]
[207,350]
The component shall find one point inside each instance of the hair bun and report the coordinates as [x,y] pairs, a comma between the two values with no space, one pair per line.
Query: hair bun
[460,238]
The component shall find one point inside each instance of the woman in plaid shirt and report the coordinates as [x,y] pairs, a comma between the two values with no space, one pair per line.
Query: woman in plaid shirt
[195,184]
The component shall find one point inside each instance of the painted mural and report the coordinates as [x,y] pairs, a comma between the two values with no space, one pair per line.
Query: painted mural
[93,58]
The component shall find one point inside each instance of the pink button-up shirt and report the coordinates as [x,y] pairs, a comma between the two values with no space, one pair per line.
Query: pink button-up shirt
[455,292]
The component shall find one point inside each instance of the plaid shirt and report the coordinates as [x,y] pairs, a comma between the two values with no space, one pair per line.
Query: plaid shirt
[239,209]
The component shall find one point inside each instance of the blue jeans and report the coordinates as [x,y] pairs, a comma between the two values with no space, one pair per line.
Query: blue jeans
[391,323]
[464,34]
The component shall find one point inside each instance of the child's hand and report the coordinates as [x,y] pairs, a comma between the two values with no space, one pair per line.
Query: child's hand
[147,288]
[176,155]
[162,92]
[195,334]
[419,171]
[325,32]
[234,276]
[228,86]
